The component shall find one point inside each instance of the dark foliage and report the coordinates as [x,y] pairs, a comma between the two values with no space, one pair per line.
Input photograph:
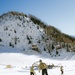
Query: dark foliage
[0,40]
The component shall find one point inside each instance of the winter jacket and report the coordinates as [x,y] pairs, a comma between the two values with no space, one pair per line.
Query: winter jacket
[42,66]
[32,69]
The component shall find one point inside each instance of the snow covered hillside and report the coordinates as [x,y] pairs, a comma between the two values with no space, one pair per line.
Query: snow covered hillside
[19,35]
[19,32]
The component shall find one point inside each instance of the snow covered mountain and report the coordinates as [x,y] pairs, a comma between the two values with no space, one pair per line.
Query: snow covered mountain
[18,31]
[18,35]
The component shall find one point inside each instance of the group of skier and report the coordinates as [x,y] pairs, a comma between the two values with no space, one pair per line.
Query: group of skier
[42,66]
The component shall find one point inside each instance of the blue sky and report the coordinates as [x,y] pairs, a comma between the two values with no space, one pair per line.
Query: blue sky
[58,13]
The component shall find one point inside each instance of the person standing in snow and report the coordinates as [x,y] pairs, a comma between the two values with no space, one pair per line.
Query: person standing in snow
[61,69]
[32,72]
[42,66]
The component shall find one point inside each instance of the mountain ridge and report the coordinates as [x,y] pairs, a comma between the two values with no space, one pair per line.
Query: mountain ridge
[22,32]
[51,30]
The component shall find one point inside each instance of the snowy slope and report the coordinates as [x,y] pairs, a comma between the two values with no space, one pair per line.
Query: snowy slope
[20,32]
[21,62]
